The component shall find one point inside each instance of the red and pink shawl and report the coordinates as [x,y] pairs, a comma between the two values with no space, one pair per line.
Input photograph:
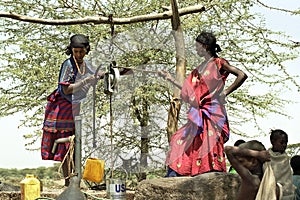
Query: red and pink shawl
[198,146]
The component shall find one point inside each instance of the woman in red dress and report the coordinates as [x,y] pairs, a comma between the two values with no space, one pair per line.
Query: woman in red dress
[198,147]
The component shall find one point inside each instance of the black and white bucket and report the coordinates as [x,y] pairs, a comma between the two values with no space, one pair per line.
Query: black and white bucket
[116,189]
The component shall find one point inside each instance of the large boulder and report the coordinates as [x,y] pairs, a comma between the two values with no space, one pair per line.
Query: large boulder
[208,186]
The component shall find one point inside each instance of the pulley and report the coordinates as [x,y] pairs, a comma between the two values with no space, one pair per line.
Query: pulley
[111,79]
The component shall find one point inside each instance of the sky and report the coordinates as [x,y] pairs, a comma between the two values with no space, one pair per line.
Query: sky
[290,24]
[14,155]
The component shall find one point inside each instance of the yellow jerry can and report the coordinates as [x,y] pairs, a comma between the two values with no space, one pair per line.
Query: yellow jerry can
[30,188]
[94,170]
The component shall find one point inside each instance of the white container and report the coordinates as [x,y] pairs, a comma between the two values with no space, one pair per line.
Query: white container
[116,189]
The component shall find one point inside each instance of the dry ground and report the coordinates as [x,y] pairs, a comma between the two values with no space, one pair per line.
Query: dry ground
[57,188]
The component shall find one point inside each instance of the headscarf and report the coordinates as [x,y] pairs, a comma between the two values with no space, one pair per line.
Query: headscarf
[78,41]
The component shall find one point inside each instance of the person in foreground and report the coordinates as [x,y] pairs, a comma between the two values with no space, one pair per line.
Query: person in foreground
[257,179]
[75,78]
[198,147]
[295,164]
[280,163]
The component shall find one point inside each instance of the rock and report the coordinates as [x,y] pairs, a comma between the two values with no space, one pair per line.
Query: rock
[208,186]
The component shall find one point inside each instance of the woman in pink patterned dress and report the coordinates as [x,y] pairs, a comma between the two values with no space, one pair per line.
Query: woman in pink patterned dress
[198,147]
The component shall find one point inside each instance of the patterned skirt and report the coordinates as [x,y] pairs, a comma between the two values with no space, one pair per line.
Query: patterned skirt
[192,154]
[58,123]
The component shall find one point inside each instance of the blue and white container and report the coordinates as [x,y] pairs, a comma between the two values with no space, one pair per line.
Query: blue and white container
[116,189]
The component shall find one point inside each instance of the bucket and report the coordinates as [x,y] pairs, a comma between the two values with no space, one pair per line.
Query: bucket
[116,189]
[30,188]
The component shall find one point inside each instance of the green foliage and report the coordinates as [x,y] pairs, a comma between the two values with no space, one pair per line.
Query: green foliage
[293,149]
[32,53]
[45,174]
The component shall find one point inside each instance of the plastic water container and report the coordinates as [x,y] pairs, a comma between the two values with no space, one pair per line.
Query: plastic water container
[30,188]
[94,170]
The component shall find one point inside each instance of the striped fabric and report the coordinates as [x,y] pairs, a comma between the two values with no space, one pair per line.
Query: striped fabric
[58,123]
[60,110]
[59,114]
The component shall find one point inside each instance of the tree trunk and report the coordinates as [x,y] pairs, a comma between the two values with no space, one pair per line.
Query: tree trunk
[174,110]
[143,117]
[144,152]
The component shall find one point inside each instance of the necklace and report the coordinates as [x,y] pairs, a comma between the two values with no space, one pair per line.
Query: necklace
[78,68]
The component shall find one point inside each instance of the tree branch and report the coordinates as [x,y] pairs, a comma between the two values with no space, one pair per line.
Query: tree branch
[274,8]
[103,20]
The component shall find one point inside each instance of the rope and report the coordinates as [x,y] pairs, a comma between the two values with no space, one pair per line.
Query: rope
[111,134]
[139,70]
[70,152]
[111,49]
[94,110]
[112,35]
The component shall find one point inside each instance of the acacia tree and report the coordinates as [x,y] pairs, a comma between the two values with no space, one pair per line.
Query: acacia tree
[35,33]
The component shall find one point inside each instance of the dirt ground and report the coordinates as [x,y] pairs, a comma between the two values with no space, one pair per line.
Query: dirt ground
[90,194]
[53,193]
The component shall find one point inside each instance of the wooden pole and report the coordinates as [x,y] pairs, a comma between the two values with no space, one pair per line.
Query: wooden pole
[173,115]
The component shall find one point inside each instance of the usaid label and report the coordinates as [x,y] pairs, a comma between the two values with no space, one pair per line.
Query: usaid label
[117,190]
